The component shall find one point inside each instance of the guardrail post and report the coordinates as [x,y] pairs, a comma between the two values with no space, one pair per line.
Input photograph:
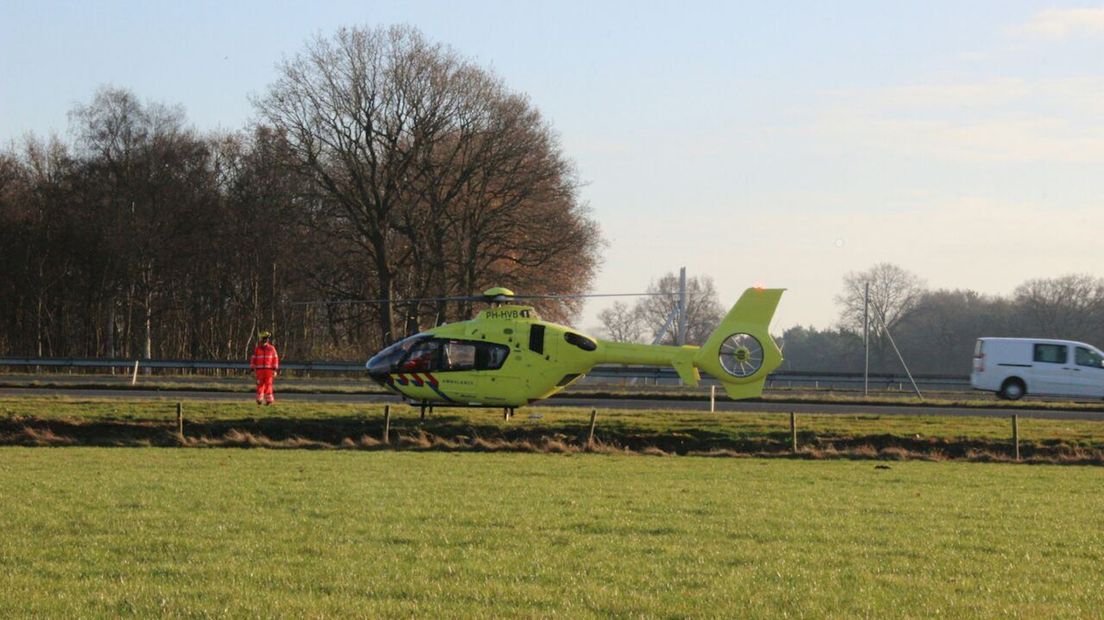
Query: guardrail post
[134,377]
[793,432]
[1016,434]
[712,399]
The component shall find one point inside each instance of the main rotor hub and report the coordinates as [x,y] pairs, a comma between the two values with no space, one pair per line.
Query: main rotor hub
[498,295]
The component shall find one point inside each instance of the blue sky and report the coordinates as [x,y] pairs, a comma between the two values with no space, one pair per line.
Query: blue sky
[783,144]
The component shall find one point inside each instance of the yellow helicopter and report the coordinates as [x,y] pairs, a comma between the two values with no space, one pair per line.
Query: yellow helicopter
[508,357]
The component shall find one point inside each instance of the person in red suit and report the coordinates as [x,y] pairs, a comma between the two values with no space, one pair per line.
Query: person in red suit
[266,364]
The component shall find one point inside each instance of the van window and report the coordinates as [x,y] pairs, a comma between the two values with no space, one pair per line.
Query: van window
[1085,357]
[1051,353]
[978,349]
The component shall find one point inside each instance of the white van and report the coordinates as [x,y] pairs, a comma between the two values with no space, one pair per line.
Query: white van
[1012,367]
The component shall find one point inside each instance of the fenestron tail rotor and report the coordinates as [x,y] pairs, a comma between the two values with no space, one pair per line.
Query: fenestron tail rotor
[741,355]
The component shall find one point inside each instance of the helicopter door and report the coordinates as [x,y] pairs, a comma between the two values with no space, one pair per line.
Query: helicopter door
[537,356]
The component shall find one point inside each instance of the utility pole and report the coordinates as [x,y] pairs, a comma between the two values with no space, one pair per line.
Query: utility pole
[682,307]
[866,339]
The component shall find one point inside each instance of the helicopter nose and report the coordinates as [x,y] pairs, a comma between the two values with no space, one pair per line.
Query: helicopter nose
[378,370]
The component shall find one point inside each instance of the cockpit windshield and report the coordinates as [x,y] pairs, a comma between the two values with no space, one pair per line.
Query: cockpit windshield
[385,360]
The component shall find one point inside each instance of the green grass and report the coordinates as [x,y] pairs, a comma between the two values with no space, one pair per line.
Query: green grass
[94,532]
[64,421]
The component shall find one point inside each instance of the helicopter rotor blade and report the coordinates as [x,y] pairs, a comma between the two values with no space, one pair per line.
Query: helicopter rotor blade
[483,298]
[587,295]
[383,301]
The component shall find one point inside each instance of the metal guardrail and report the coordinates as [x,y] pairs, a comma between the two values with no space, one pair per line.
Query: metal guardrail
[647,374]
[74,362]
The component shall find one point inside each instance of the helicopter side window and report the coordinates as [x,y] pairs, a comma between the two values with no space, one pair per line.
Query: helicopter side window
[490,356]
[440,355]
[580,341]
[458,355]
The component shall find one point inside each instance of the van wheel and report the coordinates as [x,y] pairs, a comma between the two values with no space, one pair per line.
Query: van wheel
[1012,389]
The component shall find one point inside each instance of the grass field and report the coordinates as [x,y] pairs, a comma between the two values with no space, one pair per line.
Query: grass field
[99,532]
[62,421]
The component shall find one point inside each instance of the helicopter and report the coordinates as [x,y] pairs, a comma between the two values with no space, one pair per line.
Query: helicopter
[508,357]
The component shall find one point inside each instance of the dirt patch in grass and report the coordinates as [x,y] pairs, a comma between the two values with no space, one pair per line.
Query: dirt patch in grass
[362,434]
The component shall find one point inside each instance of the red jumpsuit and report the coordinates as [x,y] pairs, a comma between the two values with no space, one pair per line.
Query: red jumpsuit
[265,362]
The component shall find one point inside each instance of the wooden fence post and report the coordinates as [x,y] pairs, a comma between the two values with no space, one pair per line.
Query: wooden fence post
[1016,434]
[387,424]
[180,419]
[712,399]
[590,435]
[793,432]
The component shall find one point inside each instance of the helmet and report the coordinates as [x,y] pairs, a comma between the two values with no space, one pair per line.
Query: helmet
[265,334]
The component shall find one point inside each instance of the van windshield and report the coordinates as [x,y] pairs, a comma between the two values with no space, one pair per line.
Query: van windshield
[1087,357]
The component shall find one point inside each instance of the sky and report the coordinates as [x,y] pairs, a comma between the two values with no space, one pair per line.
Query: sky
[777,144]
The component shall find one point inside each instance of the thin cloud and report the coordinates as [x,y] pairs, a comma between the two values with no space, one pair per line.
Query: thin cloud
[991,121]
[1061,24]
[921,96]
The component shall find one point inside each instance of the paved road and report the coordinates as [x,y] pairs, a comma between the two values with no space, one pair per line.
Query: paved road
[606,403]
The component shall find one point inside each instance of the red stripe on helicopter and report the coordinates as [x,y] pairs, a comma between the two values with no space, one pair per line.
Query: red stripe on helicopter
[401,379]
[416,379]
[432,381]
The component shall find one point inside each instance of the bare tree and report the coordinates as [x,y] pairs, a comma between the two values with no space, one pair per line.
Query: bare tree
[431,177]
[621,322]
[894,293]
[703,310]
[1070,306]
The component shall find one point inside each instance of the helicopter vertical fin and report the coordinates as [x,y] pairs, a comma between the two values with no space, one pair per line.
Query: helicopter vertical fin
[740,353]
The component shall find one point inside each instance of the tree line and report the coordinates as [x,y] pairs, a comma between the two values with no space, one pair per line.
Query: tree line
[936,330]
[381,166]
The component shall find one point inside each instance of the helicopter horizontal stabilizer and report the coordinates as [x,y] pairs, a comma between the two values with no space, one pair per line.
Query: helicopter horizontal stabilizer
[687,372]
[740,353]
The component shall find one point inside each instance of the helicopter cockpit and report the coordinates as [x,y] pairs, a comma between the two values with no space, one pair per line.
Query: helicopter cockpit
[424,353]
